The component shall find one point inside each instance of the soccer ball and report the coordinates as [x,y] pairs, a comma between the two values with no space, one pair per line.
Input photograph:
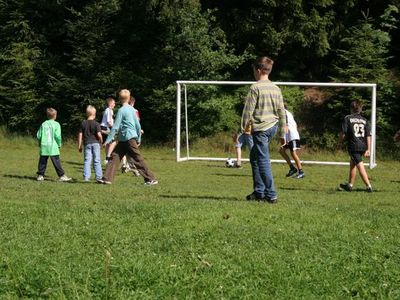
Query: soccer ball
[229,163]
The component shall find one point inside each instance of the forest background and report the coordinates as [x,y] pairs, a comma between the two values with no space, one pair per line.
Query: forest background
[70,53]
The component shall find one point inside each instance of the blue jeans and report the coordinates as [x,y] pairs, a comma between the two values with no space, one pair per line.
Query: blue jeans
[263,183]
[92,152]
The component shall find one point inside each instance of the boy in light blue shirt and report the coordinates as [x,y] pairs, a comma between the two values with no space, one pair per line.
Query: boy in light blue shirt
[129,136]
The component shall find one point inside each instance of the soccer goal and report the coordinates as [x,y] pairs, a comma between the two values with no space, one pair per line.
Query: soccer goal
[181,88]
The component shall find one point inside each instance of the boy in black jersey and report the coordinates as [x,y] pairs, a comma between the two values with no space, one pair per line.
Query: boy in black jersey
[357,133]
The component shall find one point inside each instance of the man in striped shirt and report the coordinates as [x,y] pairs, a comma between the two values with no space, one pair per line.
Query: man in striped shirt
[263,110]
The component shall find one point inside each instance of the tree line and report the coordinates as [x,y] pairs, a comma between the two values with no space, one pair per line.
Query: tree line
[71,53]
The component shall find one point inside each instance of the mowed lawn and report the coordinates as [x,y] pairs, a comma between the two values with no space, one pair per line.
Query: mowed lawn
[194,235]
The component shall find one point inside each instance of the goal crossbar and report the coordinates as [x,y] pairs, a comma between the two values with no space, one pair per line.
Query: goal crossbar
[184,83]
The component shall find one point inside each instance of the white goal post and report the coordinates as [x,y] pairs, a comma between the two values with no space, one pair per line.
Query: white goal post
[182,85]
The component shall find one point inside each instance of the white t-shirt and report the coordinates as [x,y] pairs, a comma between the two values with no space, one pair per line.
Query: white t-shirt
[107,118]
[293,133]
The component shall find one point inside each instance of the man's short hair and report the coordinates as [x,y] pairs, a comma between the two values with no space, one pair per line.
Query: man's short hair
[124,95]
[264,64]
[90,110]
[356,106]
[51,113]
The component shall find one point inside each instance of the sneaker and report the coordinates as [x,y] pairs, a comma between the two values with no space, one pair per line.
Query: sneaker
[40,178]
[346,187]
[105,162]
[271,200]
[291,172]
[100,181]
[135,172]
[125,169]
[300,175]
[151,182]
[253,197]
[64,178]
[369,189]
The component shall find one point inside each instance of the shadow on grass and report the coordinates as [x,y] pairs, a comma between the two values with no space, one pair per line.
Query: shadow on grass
[34,178]
[74,163]
[199,197]
[231,175]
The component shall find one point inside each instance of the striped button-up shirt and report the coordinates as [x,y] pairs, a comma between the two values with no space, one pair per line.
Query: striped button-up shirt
[263,107]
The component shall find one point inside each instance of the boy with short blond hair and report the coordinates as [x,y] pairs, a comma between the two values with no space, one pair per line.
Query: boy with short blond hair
[129,135]
[49,136]
[107,122]
[91,138]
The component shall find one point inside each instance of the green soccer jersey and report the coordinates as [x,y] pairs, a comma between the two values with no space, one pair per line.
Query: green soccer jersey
[49,136]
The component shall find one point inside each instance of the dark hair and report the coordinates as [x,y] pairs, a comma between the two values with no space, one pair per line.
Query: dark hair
[356,106]
[263,63]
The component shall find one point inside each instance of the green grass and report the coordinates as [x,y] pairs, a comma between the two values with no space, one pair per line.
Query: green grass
[193,235]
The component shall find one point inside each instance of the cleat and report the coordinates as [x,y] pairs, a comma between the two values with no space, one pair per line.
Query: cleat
[291,172]
[151,182]
[40,178]
[64,178]
[346,187]
[271,200]
[369,189]
[300,175]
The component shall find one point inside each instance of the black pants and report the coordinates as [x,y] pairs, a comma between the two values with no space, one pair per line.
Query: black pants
[55,159]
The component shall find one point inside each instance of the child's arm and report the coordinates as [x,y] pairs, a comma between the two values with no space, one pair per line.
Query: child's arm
[57,135]
[39,135]
[138,129]
[80,135]
[100,137]
[368,152]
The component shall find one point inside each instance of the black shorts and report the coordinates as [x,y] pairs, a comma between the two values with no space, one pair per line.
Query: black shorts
[293,145]
[356,156]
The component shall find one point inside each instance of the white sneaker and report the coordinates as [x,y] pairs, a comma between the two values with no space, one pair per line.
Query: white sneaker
[151,182]
[64,178]
[40,178]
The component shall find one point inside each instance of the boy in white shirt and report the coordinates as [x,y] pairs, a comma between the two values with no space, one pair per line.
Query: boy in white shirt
[291,141]
[107,123]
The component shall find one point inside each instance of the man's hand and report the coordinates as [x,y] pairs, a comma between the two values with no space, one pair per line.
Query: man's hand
[80,148]
[367,153]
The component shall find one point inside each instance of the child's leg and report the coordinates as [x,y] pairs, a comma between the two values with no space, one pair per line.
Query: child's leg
[42,165]
[139,162]
[363,173]
[282,151]
[238,156]
[55,159]
[87,161]
[352,172]
[296,159]
[97,161]
[119,152]
[110,148]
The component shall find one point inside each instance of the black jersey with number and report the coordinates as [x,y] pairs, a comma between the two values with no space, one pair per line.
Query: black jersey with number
[356,129]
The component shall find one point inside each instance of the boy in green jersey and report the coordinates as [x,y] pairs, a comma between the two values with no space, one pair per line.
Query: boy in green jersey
[49,136]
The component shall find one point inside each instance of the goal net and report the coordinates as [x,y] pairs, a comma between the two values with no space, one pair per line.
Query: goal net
[183,151]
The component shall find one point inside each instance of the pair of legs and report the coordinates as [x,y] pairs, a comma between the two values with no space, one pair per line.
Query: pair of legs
[355,165]
[131,148]
[293,146]
[263,182]
[243,140]
[128,163]
[92,153]
[42,165]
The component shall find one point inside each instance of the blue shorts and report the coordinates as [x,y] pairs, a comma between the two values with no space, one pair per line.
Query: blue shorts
[245,140]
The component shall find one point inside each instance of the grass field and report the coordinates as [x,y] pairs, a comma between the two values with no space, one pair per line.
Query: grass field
[193,235]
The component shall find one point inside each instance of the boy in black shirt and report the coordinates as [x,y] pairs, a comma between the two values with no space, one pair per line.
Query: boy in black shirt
[90,136]
[357,133]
